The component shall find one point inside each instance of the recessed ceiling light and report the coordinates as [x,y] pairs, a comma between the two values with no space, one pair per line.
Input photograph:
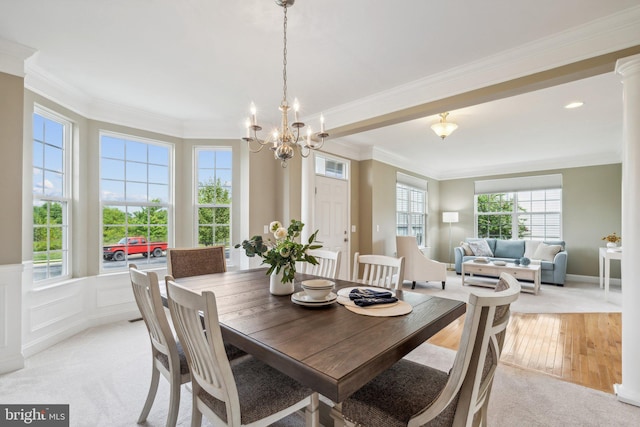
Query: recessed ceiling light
[574,104]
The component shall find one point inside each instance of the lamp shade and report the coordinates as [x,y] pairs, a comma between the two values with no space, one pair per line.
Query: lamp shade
[449,217]
[443,128]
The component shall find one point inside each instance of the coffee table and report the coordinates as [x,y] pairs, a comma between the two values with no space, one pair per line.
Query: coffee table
[490,270]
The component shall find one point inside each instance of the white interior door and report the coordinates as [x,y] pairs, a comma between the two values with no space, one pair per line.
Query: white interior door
[331,218]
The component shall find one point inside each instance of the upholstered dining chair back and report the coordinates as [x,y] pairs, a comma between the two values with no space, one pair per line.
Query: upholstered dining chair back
[417,267]
[378,270]
[250,392]
[187,262]
[426,396]
[167,357]
[328,263]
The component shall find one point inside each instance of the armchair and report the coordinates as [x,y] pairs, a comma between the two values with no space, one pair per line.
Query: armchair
[417,267]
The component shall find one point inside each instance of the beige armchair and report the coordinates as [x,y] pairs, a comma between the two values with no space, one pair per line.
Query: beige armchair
[417,267]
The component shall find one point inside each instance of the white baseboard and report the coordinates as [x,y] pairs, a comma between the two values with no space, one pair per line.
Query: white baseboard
[626,396]
[590,279]
[11,364]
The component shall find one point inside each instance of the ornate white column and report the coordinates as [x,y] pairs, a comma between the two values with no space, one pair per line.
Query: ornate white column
[629,390]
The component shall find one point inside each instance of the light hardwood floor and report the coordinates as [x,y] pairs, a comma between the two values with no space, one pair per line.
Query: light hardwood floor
[582,348]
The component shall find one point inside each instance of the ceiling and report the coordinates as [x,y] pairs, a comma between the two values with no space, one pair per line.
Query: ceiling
[191,69]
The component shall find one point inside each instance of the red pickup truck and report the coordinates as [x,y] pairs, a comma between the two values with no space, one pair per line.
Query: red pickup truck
[132,246]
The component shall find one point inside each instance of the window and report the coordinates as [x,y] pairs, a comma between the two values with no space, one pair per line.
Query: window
[51,195]
[411,212]
[331,168]
[534,215]
[213,190]
[135,197]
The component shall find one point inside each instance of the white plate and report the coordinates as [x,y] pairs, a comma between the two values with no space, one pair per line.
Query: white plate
[398,309]
[302,297]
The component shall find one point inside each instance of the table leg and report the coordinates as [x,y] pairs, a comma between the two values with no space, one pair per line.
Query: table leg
[600,272]
[462,272]
[536,282]
[607,271]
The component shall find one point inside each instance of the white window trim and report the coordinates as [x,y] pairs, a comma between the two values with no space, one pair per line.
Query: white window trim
[67,189]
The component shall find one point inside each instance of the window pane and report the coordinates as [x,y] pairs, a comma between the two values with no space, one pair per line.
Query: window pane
[158,155]
[112,169]
[136,151]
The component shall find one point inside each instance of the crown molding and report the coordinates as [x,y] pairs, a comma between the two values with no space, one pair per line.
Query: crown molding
[13,56]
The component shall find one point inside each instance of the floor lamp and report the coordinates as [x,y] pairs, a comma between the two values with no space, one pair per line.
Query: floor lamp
[450,217]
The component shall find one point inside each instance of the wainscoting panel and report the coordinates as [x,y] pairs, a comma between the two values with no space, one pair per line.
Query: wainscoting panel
[11,357]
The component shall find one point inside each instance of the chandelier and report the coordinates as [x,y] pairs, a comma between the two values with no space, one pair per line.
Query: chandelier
[285,141]
[444,128]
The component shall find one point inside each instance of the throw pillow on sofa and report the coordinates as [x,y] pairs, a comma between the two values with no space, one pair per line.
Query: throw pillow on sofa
[480,248]
[546,252]
[530,247]
[466,248]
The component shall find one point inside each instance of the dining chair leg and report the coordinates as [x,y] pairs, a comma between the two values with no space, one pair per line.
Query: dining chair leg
[153,388]
[443,285]
[174,403]
[312,412]
[196,415]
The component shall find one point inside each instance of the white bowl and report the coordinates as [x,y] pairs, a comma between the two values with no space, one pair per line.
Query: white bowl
[317,284]
[317,289]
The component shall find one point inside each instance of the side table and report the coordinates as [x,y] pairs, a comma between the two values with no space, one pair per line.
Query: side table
[605,256]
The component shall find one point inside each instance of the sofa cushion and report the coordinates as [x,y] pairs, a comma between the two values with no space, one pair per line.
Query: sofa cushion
[530,247]
[546,252]
[509,248]
[480,247]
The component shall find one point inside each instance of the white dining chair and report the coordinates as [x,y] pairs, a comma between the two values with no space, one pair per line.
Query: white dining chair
[412,394]
[378,270]
[328,263]
[167,356]
[417,267]
[248,393]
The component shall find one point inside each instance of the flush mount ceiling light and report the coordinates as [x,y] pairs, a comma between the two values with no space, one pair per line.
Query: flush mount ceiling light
[574,104]
[285,141]
[444,128]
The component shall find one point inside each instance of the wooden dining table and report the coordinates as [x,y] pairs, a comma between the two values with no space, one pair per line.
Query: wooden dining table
[329,348]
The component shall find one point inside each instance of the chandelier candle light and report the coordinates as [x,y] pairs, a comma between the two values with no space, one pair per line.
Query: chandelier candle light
[285,141]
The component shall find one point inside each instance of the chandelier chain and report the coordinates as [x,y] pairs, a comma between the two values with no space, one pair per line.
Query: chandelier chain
[284,60]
